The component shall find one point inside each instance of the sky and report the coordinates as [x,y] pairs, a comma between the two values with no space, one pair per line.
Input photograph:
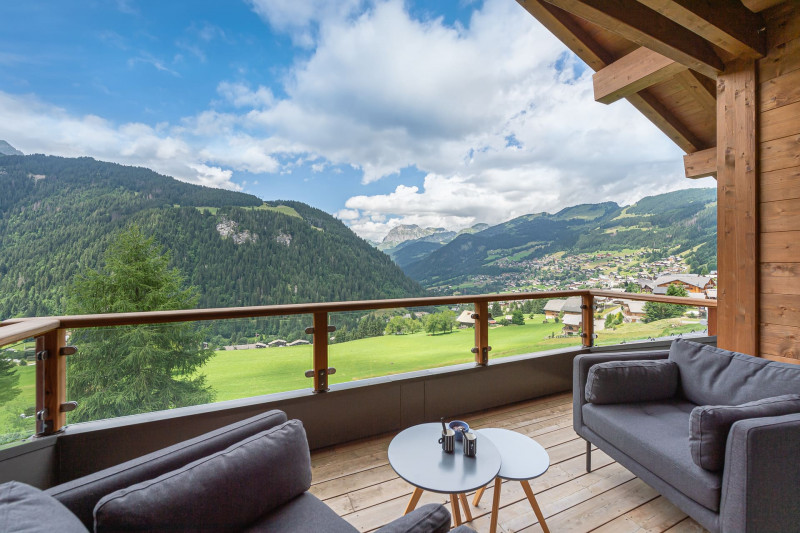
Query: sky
[441,113]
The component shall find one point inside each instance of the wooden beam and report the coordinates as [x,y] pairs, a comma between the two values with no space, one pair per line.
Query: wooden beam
[481,348]
[51,382]
[757,6]
[642,25]
[728,25]
[701,164]
[737,209]
[632,73]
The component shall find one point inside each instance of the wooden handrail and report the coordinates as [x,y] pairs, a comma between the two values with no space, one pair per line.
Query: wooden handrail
[222,313]
[19,330]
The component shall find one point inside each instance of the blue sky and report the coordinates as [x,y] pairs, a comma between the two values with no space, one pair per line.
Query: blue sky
[441,113]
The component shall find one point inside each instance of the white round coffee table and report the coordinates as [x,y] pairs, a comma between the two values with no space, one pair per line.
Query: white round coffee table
[417,457]
[522,459]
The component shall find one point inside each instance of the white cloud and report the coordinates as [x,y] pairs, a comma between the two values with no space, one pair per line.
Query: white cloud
[240,95]
[301,19]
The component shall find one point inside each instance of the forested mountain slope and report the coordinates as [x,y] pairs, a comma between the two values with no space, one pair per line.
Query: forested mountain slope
[58,214]
[672,223]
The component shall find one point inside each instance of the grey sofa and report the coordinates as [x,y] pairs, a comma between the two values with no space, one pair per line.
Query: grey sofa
[715,432]
[252,475]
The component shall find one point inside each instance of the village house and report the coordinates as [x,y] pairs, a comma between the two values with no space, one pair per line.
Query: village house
[570,306]
[691,282]
[572,324]
[633,310]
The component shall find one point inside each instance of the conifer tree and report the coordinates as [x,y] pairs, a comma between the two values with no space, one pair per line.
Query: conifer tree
[9,379]
[134,369]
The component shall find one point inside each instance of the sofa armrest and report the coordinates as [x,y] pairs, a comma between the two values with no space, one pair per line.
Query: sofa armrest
[761,475]
[580,370]
[430,518]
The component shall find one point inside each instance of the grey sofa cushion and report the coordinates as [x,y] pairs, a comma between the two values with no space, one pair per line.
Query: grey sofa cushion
[26,509]
[712,376]
[82,494]
[430,518]
[225,491]
[631,381]
[304,514]
[656,434]
[710,424]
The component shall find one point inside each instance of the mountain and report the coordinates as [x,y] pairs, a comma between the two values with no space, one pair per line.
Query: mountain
[7,149]
[673,223]
[57,216]
[411,243]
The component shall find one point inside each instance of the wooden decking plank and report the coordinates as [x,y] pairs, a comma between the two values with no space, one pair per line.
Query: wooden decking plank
[352,482]
[655,516]
[686,526]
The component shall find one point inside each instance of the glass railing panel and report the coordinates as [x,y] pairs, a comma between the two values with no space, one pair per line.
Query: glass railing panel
[521,326]
[17,392]
[370,344]
[124,370]
[619,322]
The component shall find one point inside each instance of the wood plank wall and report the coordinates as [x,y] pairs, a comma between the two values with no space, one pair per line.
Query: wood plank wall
[779,190]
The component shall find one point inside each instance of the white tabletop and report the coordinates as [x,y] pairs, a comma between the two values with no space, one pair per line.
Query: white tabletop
[522,457]
[416,455]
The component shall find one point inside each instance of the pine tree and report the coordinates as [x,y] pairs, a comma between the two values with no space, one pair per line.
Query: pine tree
[659,311]
[134,369]
[9,379]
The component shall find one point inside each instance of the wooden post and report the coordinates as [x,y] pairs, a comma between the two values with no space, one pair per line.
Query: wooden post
[737,208]
[51,382]
[321,351]
[587,316]
[481,349]
[711,318]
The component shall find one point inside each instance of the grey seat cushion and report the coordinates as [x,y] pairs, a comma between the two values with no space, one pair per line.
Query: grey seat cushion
[27,509]
[225,491]
[710,424]
[656,435]
[631,381]
[712,376]
[304,514]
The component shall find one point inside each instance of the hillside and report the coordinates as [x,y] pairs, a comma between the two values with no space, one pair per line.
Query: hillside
[58,214]
[681,222]
[406,244]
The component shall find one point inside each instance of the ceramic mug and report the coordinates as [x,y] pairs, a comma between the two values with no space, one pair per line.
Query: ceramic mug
[470,441]
[448,441]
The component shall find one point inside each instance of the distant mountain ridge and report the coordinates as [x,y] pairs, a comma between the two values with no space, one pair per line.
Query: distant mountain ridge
[679,221]
[406,244]
[7,149]
[58,214]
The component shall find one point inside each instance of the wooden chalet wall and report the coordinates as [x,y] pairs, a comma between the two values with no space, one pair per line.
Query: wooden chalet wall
[779,184]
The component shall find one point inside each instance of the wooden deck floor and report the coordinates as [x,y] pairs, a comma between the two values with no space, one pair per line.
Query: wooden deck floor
[356,481]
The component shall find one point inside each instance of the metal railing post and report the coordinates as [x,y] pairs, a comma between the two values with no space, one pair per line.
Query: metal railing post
[481,317]
[51,381]
[587,320]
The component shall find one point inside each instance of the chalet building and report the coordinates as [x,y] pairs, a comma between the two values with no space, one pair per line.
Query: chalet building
[633,310]
[465,319]
[690,282]
[570,306]
[572,324]
[298,342]
[277,343]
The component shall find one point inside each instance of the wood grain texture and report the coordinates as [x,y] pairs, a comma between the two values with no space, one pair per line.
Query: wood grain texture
[780,91]
[780,60]
[783,24]
[52,373]
[781,247]
[780,122]
[780,309]
[780,278]
[701,164]
[632,73]
[737,209]
[780,215]
[781,343]
[780,153]
[780,184]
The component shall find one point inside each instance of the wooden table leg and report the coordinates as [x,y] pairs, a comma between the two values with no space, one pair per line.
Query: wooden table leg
[531,498]
[455,507]
[414,500]
[463,499]
[495,504]
[477,499]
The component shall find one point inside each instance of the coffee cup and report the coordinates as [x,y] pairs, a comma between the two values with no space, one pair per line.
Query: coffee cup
[470,441]
[448,441]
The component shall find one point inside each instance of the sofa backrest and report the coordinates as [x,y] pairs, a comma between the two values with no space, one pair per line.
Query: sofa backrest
[82,494]
[713,376]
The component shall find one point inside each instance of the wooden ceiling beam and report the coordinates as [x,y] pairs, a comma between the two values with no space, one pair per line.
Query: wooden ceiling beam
[632,73]
[658,114]
[728,25]
[642,25]
[757,6]
[701,164]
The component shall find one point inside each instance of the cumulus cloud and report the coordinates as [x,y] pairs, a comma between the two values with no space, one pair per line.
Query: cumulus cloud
[301,20]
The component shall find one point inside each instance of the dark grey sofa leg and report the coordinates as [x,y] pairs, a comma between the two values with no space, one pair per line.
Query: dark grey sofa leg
[588,456]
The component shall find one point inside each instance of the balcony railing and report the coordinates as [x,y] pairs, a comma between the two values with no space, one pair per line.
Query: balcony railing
[52,350]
